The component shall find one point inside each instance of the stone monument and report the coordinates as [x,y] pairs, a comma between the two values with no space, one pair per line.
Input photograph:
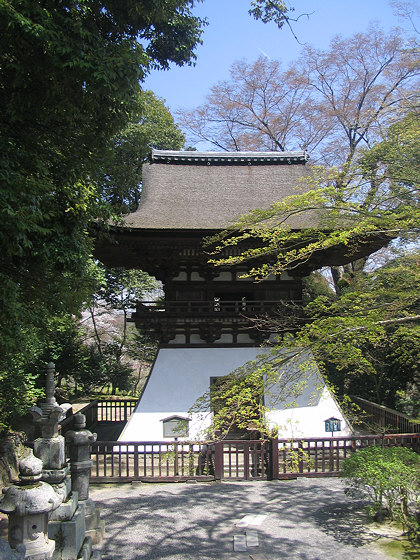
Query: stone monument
[68,522]
[50,447]
[80,440]
[28,503]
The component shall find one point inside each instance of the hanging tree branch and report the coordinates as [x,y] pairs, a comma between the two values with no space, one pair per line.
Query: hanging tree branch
[275,11]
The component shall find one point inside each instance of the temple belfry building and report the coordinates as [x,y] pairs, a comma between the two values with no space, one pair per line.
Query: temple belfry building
[203,323]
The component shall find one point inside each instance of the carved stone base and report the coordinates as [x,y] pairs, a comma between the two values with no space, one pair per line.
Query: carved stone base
[68,535]
[95,526]
[67,509]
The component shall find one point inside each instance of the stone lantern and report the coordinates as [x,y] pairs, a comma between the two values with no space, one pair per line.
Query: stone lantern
[28,504]
[80,441]
[50,447]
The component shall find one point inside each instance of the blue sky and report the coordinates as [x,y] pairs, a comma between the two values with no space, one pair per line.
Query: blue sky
[232,34]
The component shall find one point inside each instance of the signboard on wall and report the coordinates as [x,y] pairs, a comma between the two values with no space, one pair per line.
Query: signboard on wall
[175,427]
[333,425]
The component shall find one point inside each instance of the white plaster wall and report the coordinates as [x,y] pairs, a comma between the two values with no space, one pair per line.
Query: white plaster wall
[178,378]
[308,421]
[181,375]
[226,338]
[147,426]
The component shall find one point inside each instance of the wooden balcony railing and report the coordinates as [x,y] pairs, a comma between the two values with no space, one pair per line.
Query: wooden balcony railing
[102,412]
[203,308]
[380,415]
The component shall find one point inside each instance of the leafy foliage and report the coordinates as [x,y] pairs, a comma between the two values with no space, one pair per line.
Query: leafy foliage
[91,355]
[17,391]
[367,338]
[240,402]
[366,203]
[114,345]
[266,11]
[152,127]
[69,84]
[364,333]
[390,478]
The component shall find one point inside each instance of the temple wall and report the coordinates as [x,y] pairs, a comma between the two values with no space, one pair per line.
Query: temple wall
[301,422]
[181,375]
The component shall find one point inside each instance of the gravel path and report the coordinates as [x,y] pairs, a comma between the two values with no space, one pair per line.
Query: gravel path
[305,519]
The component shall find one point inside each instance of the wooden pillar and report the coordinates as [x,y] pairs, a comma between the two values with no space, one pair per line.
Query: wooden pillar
[218,459]
[274,459]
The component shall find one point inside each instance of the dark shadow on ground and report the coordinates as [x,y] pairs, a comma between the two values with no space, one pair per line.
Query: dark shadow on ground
[306,520]
[346,523]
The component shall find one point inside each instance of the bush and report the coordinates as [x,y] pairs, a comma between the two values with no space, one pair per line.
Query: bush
[390,478]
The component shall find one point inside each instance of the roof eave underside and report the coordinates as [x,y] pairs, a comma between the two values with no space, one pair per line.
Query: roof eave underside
[228,158]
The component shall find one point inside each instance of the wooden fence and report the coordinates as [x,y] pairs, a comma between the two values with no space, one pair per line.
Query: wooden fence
[103,412]
[380,415]
[325,456]
[116,461]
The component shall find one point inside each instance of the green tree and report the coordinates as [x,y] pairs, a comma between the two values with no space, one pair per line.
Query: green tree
[366,342]
[109,309]
[368,337]
[154,127]
[79,367]
[366,203]
[237,402]
[394,162]
[96,349]
[389,478]
[365,331]
[69,83]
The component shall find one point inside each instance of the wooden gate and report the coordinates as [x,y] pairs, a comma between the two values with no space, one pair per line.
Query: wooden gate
[243,460]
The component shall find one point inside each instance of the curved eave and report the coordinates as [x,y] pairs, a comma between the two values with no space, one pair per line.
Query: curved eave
[124,247]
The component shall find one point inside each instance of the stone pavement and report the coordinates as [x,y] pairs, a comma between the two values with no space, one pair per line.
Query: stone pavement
[305,519]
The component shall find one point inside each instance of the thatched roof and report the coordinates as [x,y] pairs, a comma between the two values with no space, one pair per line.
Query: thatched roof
[209,190]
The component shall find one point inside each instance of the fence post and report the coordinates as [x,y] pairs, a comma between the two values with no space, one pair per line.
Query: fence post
[300,456]
[274,458]
[176,461]
[218,460]
[331,455]
[91,413]
[247,451]
[191,460]
[136,459]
